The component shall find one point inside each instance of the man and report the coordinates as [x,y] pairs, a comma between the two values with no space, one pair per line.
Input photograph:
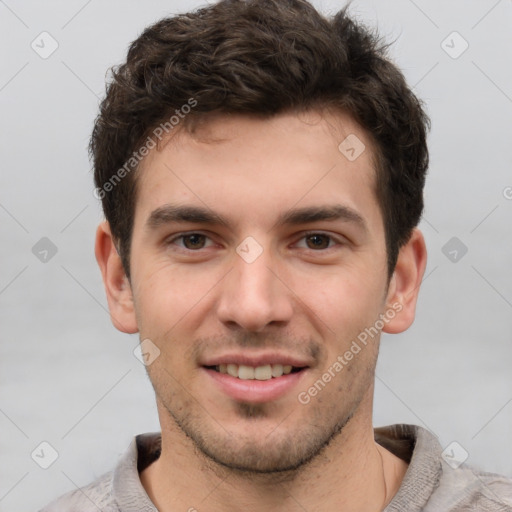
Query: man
[261,170]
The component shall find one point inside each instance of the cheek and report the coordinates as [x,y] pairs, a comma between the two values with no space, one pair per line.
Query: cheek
[167,295]
[343,297]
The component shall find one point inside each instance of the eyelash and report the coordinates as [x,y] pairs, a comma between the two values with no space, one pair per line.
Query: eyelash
[304,235]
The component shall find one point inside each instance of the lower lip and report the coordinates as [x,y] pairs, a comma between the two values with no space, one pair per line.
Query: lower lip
[255,391]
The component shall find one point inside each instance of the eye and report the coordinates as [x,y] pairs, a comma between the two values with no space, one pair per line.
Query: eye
[319,241]
[313,241]
[191,241]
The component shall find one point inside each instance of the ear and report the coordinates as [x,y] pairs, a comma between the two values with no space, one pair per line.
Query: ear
[405,283]
[117,285]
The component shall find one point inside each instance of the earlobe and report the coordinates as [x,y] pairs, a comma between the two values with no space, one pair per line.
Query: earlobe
[117,285]
[405,283]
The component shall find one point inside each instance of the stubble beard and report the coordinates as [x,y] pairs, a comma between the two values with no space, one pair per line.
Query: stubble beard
[279,456]
[285,447]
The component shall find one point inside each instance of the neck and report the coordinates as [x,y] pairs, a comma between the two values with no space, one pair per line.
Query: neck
[351,473]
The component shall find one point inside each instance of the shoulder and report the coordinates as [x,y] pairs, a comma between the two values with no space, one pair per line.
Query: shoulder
[119,489]
[91,498]
[470,489]
[435,481]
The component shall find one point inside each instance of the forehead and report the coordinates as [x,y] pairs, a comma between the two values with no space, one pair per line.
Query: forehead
[252,169]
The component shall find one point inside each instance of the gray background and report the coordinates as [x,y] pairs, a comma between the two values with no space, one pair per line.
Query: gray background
[69,378]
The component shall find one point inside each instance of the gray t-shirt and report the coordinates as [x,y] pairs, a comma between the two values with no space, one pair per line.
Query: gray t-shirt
[430,483]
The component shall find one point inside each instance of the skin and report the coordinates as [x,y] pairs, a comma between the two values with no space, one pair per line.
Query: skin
[309,297]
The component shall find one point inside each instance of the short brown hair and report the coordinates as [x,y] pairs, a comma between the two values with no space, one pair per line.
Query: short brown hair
[261,57]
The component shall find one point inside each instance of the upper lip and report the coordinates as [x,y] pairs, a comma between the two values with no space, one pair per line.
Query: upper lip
[256,360]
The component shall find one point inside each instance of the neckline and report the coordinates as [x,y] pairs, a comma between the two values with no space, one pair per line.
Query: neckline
[413,444]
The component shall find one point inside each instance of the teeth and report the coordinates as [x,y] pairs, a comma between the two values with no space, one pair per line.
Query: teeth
[244,372]
[232,369]
[277,370]
[263,372]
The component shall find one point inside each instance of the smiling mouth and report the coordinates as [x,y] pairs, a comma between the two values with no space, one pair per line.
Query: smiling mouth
[265,372]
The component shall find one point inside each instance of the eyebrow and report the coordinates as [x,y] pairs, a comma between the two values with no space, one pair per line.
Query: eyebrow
[169,213]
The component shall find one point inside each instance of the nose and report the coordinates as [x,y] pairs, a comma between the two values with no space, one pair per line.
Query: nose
[255,295]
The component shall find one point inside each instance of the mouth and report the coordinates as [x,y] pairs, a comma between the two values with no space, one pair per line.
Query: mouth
[264,372]
[256,377]
[263,379]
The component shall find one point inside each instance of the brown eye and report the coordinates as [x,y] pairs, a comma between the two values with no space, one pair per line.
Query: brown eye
[318,241]
[193,241]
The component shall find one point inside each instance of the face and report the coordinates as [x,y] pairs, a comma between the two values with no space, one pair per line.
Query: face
[259,246]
